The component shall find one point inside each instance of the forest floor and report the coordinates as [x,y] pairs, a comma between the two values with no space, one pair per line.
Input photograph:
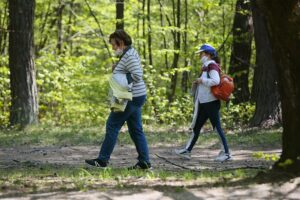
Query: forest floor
[29,170]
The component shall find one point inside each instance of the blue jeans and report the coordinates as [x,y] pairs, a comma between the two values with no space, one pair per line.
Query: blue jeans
[133,116]
[209,111]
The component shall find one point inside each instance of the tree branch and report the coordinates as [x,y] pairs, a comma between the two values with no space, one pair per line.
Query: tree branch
[100,29]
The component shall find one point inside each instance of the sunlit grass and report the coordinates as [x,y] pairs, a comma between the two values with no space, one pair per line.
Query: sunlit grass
[35,177]
[156,136]
[52,177]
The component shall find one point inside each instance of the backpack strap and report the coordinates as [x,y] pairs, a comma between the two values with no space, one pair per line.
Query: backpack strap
[213,66]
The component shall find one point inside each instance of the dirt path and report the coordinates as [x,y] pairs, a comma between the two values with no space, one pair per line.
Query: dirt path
[261,192]
[124,156]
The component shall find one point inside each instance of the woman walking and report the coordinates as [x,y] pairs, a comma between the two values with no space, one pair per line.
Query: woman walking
[207,106]
[129,64]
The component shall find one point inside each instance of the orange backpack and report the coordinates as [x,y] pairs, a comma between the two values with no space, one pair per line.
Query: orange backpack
[224,89]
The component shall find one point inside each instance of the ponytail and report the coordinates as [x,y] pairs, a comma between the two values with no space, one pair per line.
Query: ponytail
[217,59]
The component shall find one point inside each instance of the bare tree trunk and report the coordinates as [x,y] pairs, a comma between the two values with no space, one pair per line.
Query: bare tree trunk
[144,29]
[149,33]
[120,14]
[224,60]
[60,9]
[176,36]
[184,81]
[162,23]
[24,105]
[265,90]
[138,28]
[69,31]
[283,19]
[241,51]
[3,27]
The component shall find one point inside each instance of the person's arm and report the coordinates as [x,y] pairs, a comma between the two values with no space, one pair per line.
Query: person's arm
[214,78]
[133,66]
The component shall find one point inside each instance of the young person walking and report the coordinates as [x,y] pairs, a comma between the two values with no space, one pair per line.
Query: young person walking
[129,64]
[206,106]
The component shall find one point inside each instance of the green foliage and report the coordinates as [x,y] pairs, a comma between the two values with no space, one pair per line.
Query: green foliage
[70,92]
[286,163]
[4,92]
[72,84]
[237,115]
[268,157]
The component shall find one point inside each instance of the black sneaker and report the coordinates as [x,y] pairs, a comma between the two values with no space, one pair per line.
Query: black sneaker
[97,163]
[141,165]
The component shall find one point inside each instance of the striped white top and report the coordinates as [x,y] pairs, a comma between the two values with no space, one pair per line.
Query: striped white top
[131,63]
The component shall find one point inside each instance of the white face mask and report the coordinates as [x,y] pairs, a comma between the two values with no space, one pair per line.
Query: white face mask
[204,59]
[118,52]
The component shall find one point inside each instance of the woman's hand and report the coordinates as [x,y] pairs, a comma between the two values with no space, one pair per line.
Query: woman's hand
[197,81]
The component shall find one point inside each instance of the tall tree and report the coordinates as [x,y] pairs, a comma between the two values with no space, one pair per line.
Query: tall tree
[120,14]
[24,105]
[138,26]
[265,91]
[241,50]
[283,19]
[59,14]
[149,32]
[3,27]
[184,80]
[71,21]
[176,36]
[162,24]
[144,28]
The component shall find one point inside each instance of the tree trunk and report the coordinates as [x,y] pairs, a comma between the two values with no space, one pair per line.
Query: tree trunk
[162,23]
[265,90]
[3,27]
[69,31]
[60,9]
[283,19]
[184,80]
[176,36]
[144,29]
[138,27]
[149,33]
[120,14]
[241,51]
[24,105]
[224,57]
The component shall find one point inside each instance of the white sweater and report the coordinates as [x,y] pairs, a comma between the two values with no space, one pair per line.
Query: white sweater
[202,92]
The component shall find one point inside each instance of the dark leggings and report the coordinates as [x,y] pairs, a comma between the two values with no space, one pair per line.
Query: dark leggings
[209,111]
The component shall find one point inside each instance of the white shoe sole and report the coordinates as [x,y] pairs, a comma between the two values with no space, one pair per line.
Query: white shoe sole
[229,159]
[182,155]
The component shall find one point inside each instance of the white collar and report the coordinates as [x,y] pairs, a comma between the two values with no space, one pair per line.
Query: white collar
[209,62]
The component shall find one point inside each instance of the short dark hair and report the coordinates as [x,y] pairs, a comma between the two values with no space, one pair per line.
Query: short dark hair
[120,35]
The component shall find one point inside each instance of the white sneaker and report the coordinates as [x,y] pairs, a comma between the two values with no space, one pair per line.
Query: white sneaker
[183,153]
[221,153]
[223,157]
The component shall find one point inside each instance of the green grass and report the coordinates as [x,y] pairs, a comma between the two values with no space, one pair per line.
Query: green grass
[60,136]
[35,177]
[54,177]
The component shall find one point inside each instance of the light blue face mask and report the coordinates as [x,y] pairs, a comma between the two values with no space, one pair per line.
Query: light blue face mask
[204,59]
[118,52]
